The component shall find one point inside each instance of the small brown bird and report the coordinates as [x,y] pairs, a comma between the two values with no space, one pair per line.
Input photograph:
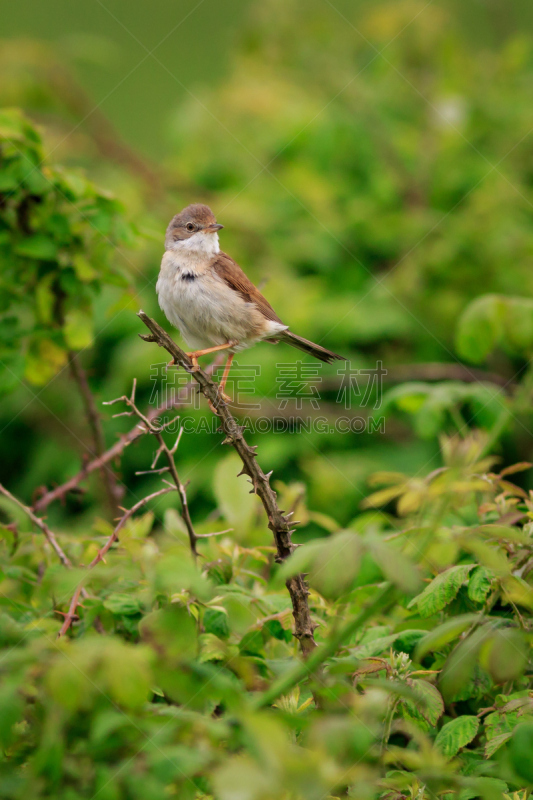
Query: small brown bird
[205,294]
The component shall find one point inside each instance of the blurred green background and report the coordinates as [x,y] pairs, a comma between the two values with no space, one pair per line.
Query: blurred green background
[372,163]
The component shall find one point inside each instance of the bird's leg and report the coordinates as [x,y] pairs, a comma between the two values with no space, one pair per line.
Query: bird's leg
[194,356]
[222,384]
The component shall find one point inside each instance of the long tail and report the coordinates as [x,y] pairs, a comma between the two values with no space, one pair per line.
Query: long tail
[309,347]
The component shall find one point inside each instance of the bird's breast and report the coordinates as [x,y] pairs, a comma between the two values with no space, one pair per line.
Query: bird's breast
[204,308]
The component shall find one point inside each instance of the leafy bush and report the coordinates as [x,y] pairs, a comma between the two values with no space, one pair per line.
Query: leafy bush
[183,678]
[58,234]
[180,676]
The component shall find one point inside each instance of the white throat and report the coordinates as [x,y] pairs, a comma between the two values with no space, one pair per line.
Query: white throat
[199,246]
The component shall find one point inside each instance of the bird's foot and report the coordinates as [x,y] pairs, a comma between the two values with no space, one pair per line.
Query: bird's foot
[194,359]
[225,397]
[211,406]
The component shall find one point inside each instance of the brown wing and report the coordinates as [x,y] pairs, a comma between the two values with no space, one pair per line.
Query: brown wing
[230,272]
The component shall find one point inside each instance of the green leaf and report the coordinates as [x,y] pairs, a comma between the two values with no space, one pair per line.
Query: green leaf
[461,664]
[211,648]
[374,647]
[39,246]
[456,734]
[494,744]
[520,749]
[480,327]
[518,332]
[332,564]
[487,788]
[45,298]
[126,671]
[504,655]
[68,683]
[125,604]
[78,329]
[395,566]
[83,268]
[441,590]
[252,643]
[11,709]
[479,584]
[233,494]
[444,634]
[171,631]
[44,360]
[429,703]
[216,622]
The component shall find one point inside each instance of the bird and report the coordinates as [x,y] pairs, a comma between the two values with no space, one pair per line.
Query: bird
[205,294]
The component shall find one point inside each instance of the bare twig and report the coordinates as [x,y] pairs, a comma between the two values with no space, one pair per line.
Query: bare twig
[113,489]
[116,450]
[41,524]
[277,521]
[71,615]
[168,452]
[215,533]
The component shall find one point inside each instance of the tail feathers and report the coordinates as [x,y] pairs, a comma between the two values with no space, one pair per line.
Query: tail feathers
[309,347]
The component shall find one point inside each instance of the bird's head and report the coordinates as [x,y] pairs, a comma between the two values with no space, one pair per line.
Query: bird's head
[193,230]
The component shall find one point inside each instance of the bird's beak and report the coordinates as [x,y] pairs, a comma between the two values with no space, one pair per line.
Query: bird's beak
[214,227]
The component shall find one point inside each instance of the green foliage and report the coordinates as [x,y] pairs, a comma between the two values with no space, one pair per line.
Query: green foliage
[494,320]
[456,734]
[382,229]
[58,234]
[442,590]
[429,692]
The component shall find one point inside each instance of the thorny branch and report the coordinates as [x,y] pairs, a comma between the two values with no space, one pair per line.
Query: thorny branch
[278,522]
[148,426]
[115,451]
[100,556]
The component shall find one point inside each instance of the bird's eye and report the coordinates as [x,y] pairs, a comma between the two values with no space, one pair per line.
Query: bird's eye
[190,226]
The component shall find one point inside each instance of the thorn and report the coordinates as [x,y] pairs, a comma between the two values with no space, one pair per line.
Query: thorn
[290,512]
[242,472]
[227,440]
[267,476]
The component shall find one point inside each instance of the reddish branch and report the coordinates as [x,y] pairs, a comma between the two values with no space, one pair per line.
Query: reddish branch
[148,426]
[71,615]
[112,487]
[41,524]
[116,450]
[278,522]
